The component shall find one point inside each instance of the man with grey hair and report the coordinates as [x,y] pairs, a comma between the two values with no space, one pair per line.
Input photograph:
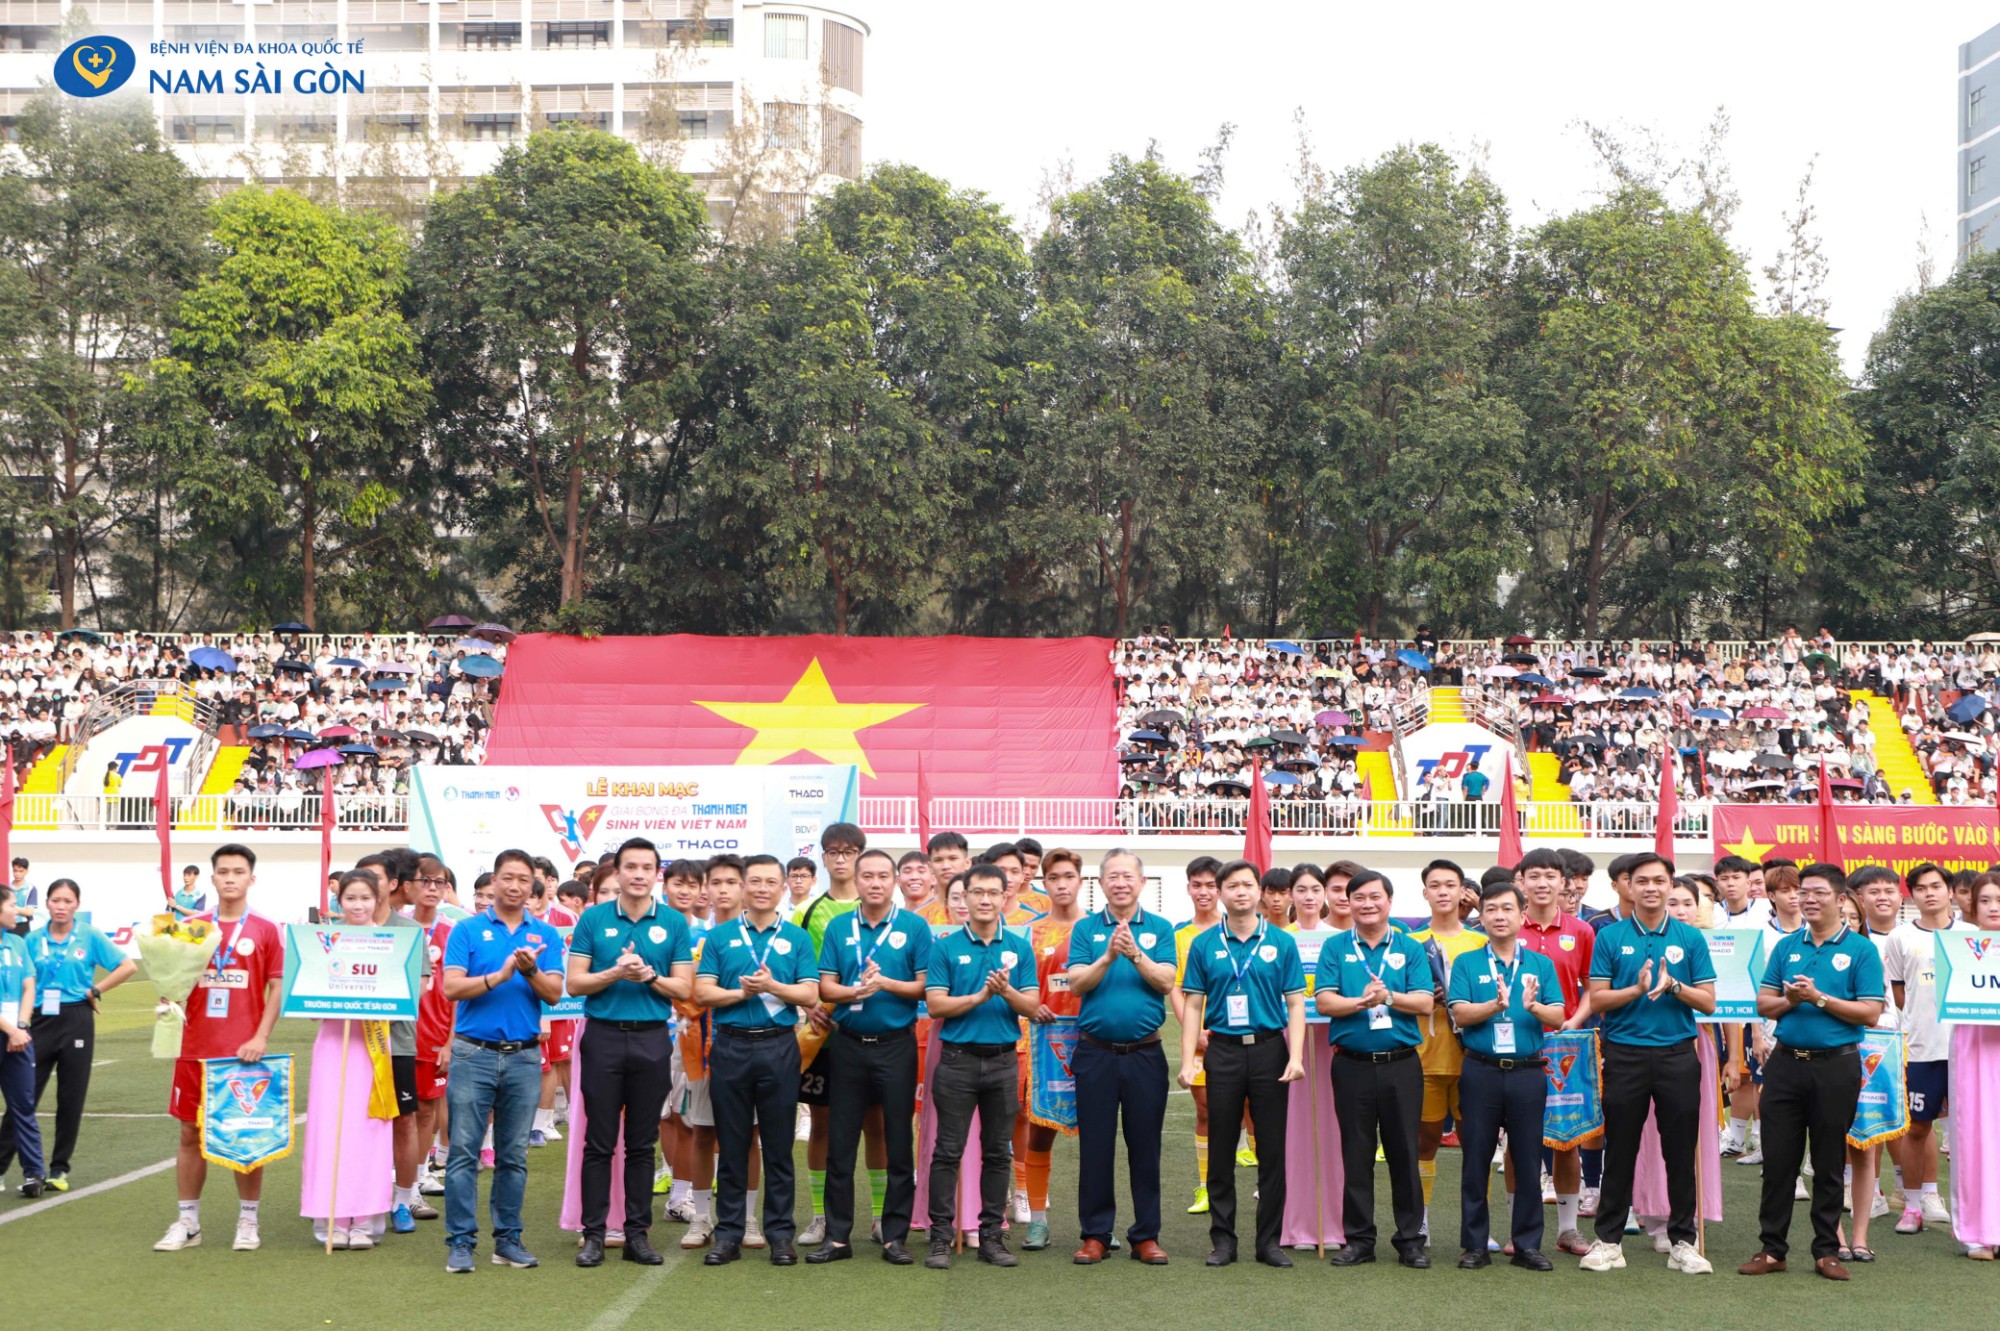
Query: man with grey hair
[1121,965]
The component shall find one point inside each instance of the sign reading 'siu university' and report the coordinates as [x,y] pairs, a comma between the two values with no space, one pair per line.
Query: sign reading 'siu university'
[1968,977]
[340,970]
[1739,959]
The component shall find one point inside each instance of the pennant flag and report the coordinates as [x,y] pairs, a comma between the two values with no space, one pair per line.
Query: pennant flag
[245,1114]
[992,716]
[1257,826]
[1829,845]
[1051,1084]
[163,827]
[1670,803]
[1510,822]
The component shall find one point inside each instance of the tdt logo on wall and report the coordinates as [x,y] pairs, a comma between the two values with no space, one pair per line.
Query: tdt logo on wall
[95,66]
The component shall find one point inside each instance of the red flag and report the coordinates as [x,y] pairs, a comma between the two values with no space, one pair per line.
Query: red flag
[7,809]
[1510,825]
[1257,827]
[1670,804]
[923,808]
[1367,789]
[163,827]
[1829,845]
[327,818]
[1033,717]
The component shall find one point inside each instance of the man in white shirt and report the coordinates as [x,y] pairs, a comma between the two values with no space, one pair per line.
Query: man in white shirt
[1909,964]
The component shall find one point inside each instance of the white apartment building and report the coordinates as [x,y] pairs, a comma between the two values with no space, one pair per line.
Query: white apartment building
[748,96]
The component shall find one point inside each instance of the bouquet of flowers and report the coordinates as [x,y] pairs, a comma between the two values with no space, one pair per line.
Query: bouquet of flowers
[176,953]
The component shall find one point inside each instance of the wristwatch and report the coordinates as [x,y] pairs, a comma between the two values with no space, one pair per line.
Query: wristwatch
[1820,1002]
[95,992]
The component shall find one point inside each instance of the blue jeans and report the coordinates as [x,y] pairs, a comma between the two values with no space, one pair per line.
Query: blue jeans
[507,1086]
[17,1091]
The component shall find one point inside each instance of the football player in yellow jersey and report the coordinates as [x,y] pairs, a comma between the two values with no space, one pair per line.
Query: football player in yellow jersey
[1062,874]
[1201,891]
[1440,1051]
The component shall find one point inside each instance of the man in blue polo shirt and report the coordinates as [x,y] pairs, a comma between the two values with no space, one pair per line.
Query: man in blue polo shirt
[756,972]
[981,982]
[1121,965]
[1245,985]
[1374,982]
[872,963]
[629,960]
[500,966]
[1823,987]
[1649,975]
[1501,996]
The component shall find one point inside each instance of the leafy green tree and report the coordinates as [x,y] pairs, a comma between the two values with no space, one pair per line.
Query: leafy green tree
[100,235]
[564,308]
[294,352]
[1414,449]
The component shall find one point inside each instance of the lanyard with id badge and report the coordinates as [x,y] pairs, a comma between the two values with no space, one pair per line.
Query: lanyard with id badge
[218,996]
[1236,1004]
[773,1004]
[1379,1016]
[1503,1022]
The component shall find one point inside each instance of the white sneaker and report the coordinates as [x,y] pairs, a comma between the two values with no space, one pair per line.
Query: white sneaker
[1753,1156]
[430,1185]
[247,1239]
[1603,1257]
[339,1241]
[814,1234]
[550,1134]
[803,1130]
[753,1232]
[699,1231]
[1800,1193]
[1689,1262]
[359,1240]
[1548,1189]
[1661,1243]
[179,1235]
[681,1212]
[1933,1208]
[1587,1203]
[1879,1207]
[875,1230]
[614,1238]
[1022,1215]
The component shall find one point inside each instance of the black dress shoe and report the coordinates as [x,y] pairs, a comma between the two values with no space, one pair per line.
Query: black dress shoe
[1221,1256]
[722,1252]
[783,1253]
[896,1254]
[830,1252]
[1472,1261]
[591,1253]
[638,1249]
[1417,1260]
[1350,1256]
[1277,1257]
[1533,1259]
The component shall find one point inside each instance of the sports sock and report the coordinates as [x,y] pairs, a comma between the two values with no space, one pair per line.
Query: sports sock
[1201,1161]
[406,1196]
[1427,1172]
[1930,1189]
[486,1143]
[680,1192]
[1039,1217]
[1566,1204]
[1896,1171]
[1592,1164]
[751,1215]
[1739,1134]
[246,1210]
[702,1202]
[1020,1177]
[878,1190]
[191,1212]
[817,1180]
[1038,1179]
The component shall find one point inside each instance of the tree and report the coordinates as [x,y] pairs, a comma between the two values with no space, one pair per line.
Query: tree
[100,235]
[294,351]
[1663,404]
[563,309]
[1392,274]
[1149,354]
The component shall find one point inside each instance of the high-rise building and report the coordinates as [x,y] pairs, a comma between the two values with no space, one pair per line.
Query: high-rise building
[1978,145]
[753,98]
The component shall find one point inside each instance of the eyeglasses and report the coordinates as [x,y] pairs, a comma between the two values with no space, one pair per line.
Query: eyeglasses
[434,882]
[987,892]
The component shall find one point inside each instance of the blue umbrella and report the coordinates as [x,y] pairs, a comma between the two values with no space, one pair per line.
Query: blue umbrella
[1530,677]
[1637,693]
[384,685]
[1281,778]
[265,731]
[479,645]
[1415,660]
[480,667]
[1712,714]
[359,750]
[290,626]
[1969,708]
[1285,648]
[213,658]
[1347,742]
[346,661]
[298,736]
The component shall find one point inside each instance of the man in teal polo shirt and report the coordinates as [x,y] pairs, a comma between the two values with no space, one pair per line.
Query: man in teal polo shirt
[1501,997]
[980,984]
[1245,985]
[1823,986]
[629,960]
[1649,975]
[1121,965]
[872,966]
[1374,982]
[756,971]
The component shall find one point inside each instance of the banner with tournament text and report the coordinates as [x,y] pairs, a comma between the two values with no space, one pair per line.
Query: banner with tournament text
[1575,1112]
[1738,955]
[246,1111]
[1883,1111]
[1900,836]
[340,970]
[1968,977]
[1051,1085]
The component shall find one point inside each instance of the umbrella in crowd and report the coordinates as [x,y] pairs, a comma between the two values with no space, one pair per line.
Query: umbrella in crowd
[390,734]
[1501,672]
[1550,700]
[1229,786]
[1638,694]
[1969,708]
[307,761]
[1280,779]
[1415,660]
[213,658]
[1298,763]
[1141,737]
[1288,737]
[298,736]
[266,731]
[1135,757]
[385,685]
[1711,714]
[1521,659]
[422,737]
[359,750]
[1588,672]
[293,664]
[478,646]
[448,623]
[485,667]
[290,626]
[1531,678]
[1766,784]
[1347,742]
[1517,640]
[1773,761]
[346,663]
[1819,661]
[1331,718]
[1162,718]
[1764,714]
[95,640]
[499,633]
[395,668]
[1285,648]
[338,732]
[1964,737]
[1261,742]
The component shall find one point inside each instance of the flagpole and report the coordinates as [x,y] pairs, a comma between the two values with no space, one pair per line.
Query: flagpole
[1319,1186]
[327,817]
[163,828]
[339,1120]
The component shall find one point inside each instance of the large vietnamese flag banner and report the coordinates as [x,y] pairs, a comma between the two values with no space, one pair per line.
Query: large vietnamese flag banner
[1900,836]
[1028,717]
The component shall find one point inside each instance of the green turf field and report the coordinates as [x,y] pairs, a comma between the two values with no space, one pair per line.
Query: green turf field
[87,1261]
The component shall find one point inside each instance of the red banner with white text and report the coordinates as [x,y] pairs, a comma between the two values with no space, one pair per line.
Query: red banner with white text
[1897,835]
[1028,717]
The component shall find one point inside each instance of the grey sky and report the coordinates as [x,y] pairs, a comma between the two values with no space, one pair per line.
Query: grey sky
[994,96]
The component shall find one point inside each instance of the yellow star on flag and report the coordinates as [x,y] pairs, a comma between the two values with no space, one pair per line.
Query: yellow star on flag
[809,719]
[1750,848]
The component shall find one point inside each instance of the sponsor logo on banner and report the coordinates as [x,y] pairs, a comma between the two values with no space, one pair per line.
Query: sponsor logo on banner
[572,827]
[1978,946]
[95,66]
